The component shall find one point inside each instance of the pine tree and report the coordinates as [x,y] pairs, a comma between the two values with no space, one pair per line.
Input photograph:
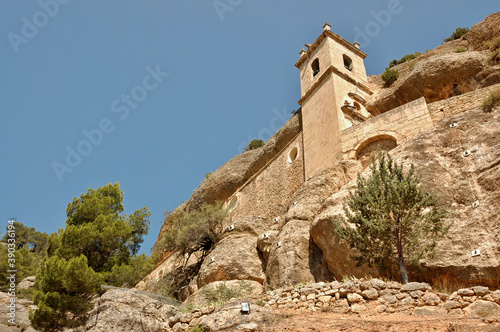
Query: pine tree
[99,244]
[391,218]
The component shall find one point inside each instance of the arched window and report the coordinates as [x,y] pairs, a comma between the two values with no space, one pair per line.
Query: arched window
[315,67]
[358,106]
[347,62]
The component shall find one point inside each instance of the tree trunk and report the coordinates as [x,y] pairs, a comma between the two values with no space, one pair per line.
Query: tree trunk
[402,267]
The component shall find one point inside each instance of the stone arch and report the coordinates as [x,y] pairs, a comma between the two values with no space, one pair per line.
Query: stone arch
[386,142]
[347,62]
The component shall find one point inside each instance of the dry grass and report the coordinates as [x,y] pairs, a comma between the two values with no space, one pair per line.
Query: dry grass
[491,101]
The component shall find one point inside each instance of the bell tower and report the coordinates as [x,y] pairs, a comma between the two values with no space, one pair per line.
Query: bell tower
[334,87]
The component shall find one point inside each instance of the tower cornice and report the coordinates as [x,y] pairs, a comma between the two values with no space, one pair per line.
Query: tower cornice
[329,34]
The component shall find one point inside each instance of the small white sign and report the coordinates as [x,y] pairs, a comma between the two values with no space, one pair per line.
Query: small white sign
[475,253]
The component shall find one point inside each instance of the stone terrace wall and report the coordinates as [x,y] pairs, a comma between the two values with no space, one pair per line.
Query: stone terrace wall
[400,123]
[446,108]
[271,189]
[360,295]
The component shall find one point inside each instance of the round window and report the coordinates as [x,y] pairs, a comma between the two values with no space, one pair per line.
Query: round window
[294,153]
[232,204]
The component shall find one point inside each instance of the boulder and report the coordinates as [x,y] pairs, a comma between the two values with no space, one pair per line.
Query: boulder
[231,318]
[245,288]
[482,308]
[288,262]
[415,286]
[235,257]
[129,310]
[436,77]
[336,251]
[27,283]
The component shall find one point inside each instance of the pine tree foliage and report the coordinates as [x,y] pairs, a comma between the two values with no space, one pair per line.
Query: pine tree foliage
[63,289]
[391,218]
[99,244]
[193,231]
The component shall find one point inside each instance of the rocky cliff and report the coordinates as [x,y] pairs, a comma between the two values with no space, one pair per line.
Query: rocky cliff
[459,164]
[442,72]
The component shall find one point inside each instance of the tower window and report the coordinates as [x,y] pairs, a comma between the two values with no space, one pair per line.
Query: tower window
[347,62]
[293,155]
[315,67]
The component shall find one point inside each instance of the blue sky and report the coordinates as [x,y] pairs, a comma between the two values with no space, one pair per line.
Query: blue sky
[155,94]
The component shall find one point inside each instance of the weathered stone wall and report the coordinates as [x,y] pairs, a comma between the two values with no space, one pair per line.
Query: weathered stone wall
[399,124]
[270,190]
[362,295]
[446,108]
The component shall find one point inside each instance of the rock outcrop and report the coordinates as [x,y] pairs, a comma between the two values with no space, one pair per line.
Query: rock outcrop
[246,288]
[441,73]
[459,181]
[19,314]
[128,310]
[234,258]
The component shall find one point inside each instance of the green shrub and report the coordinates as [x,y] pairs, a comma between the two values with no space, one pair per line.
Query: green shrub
[460,49]
[459,32]
[492,100]
[222,293]
[404,59]
[254,144]
[494,46]
[197,328]
[390,76]
[127,275]
[209,174]
[192,231]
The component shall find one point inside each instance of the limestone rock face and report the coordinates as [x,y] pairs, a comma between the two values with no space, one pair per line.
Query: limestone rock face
[436,77]
[441,73]
[311,195]
[484,31]
[253,225]
[247,289]
[234,258]
[127,310]
[288,261]
[457,181]
[23,307]
[231,318]
[265,242]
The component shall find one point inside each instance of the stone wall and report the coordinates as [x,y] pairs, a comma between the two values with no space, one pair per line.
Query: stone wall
[399,124]
[446,108]
[361,295]
[270,190]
